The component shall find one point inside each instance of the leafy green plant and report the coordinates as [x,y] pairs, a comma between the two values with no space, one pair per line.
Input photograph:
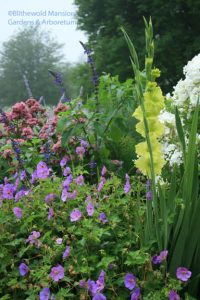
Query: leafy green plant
[70,233]
[110,132]
[172,216]
[110,243]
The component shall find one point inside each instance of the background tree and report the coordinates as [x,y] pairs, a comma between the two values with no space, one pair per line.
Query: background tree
[176,25]
[31,52]
[78,79]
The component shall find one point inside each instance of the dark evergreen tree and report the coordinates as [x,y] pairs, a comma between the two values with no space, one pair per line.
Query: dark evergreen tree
[176,28]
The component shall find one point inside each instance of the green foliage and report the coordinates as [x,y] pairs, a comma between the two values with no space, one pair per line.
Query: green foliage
[134,227]
[172,223]
[184,246]
[111,129]
[180,133]
[113,247]
[78,79]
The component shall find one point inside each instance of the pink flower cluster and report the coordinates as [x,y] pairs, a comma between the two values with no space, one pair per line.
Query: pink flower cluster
[26,115]
[61,108]
[48,128]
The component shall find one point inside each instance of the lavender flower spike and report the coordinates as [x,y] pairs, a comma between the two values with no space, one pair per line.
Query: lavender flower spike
[95,77]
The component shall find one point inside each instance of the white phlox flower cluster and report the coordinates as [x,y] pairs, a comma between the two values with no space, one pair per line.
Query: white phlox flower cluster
[185,96]
[187,91]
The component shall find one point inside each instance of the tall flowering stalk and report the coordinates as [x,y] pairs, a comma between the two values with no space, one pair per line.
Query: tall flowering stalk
[173,226]
[17,150]
[95,79]
[58,80]
[153,104]
[151,101]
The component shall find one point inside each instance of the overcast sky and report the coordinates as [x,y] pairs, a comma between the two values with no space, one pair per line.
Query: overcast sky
[13,13]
